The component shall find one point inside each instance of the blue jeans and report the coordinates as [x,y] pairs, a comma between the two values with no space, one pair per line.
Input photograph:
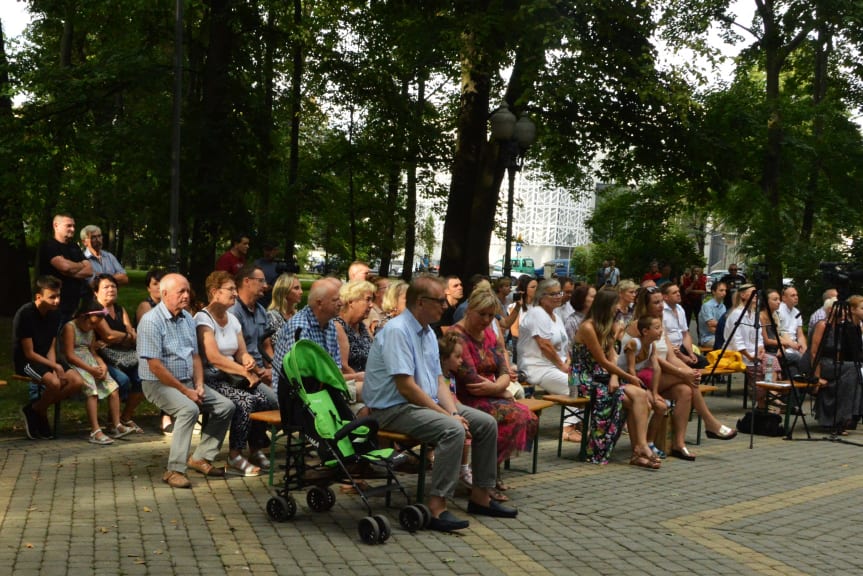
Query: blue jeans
[127,380]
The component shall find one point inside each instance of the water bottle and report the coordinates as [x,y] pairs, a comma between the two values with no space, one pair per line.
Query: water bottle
[768,374]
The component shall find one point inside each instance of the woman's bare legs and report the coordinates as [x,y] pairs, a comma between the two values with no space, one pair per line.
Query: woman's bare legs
[681,394]
[659,410]
[637,409]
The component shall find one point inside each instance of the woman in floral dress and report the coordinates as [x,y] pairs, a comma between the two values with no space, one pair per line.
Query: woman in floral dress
[483,378]
[596,374]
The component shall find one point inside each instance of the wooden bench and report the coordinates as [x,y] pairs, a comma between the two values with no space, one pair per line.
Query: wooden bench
[22,378]
[572,406]
[720,374]
[273,420]
[536,406]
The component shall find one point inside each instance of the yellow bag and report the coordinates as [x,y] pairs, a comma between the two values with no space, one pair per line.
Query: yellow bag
[731,361]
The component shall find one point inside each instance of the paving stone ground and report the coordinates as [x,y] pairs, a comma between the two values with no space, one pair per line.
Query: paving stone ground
[782,507]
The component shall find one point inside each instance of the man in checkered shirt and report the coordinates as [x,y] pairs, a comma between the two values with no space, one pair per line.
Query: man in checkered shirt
[173,379]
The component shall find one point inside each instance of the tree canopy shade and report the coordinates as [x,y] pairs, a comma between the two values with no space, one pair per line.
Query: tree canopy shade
[319,123]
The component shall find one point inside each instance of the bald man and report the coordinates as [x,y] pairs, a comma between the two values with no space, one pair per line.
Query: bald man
[316,322]
[172,377]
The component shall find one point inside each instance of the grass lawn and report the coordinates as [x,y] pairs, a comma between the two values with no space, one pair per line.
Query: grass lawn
[14,394]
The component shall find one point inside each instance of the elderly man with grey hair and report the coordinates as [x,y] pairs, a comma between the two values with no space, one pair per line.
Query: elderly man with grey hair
[102,261]
[315,322]
[172,377]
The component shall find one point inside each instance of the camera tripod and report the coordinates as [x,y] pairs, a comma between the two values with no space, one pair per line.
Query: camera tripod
[750,316]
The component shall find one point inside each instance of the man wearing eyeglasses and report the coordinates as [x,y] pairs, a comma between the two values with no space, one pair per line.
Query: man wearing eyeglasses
[251,286]
[102,261]
[407,393]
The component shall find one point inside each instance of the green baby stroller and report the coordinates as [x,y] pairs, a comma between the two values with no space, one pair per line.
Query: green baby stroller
[313,400]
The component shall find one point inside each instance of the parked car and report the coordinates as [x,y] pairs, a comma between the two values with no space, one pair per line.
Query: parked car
[562,267]
[519,266]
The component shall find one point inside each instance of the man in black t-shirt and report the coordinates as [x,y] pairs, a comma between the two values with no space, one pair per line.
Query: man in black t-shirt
[34,332]
[62,258]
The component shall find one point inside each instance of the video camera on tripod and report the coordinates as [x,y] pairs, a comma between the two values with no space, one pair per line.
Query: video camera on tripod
[841,275]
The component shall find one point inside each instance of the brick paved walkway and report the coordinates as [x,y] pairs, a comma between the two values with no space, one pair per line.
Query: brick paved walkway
[67,507]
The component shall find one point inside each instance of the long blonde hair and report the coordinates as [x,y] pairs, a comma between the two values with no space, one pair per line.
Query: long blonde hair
[280,289]
[602,314]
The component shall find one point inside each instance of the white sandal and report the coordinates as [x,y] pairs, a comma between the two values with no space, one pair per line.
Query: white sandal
[239,465]
[99,437]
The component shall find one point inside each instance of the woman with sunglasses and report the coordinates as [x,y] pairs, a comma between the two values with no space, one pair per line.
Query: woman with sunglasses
[679,381]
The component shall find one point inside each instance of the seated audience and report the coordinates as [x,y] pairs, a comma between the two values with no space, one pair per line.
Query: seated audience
[286,296]
[821,313]
[565,310]
[102,261]
[251,287]
[791,328]
[354,337]
[679,381]
[373,320]
[315,322]
[173,379]
[677,328]
[596,374]
[638,358]
[711,311]
[543,348]
[78,343]
[34,334]
[230,370]
[116,345]
[483,380]
[406,391]
[394,302]
[581,301]
[626,290]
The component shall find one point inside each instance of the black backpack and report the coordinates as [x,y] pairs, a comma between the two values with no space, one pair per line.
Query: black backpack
[766,424]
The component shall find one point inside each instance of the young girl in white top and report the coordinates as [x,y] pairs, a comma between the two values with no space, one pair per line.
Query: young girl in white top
[78,342]
[638,358]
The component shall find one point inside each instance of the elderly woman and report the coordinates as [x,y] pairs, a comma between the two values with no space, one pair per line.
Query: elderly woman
[483,379]
[838,404]
[394,302]
[596,374]
[679,381]
[354,337]
[286,297]
[626,291]
[543,348]
[581,301]
[230,370]
[116,345]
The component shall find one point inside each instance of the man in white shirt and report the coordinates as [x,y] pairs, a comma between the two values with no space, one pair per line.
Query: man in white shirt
[791,326]
[674,322]
[565,310]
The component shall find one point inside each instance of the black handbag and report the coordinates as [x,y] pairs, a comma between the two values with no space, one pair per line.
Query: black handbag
[766,424]
[235,381]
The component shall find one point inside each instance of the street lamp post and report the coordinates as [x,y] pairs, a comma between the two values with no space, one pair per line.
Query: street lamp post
[515,136]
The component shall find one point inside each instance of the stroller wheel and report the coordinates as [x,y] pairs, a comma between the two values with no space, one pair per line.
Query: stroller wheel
[320,499]
[426,514]
[384,529]
[411,518]
[368,530]
[331,497]
[281,509]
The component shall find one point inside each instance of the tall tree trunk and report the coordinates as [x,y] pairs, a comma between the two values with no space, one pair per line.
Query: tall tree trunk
[214,142]
[292,217]
[819,93]
[411,200]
